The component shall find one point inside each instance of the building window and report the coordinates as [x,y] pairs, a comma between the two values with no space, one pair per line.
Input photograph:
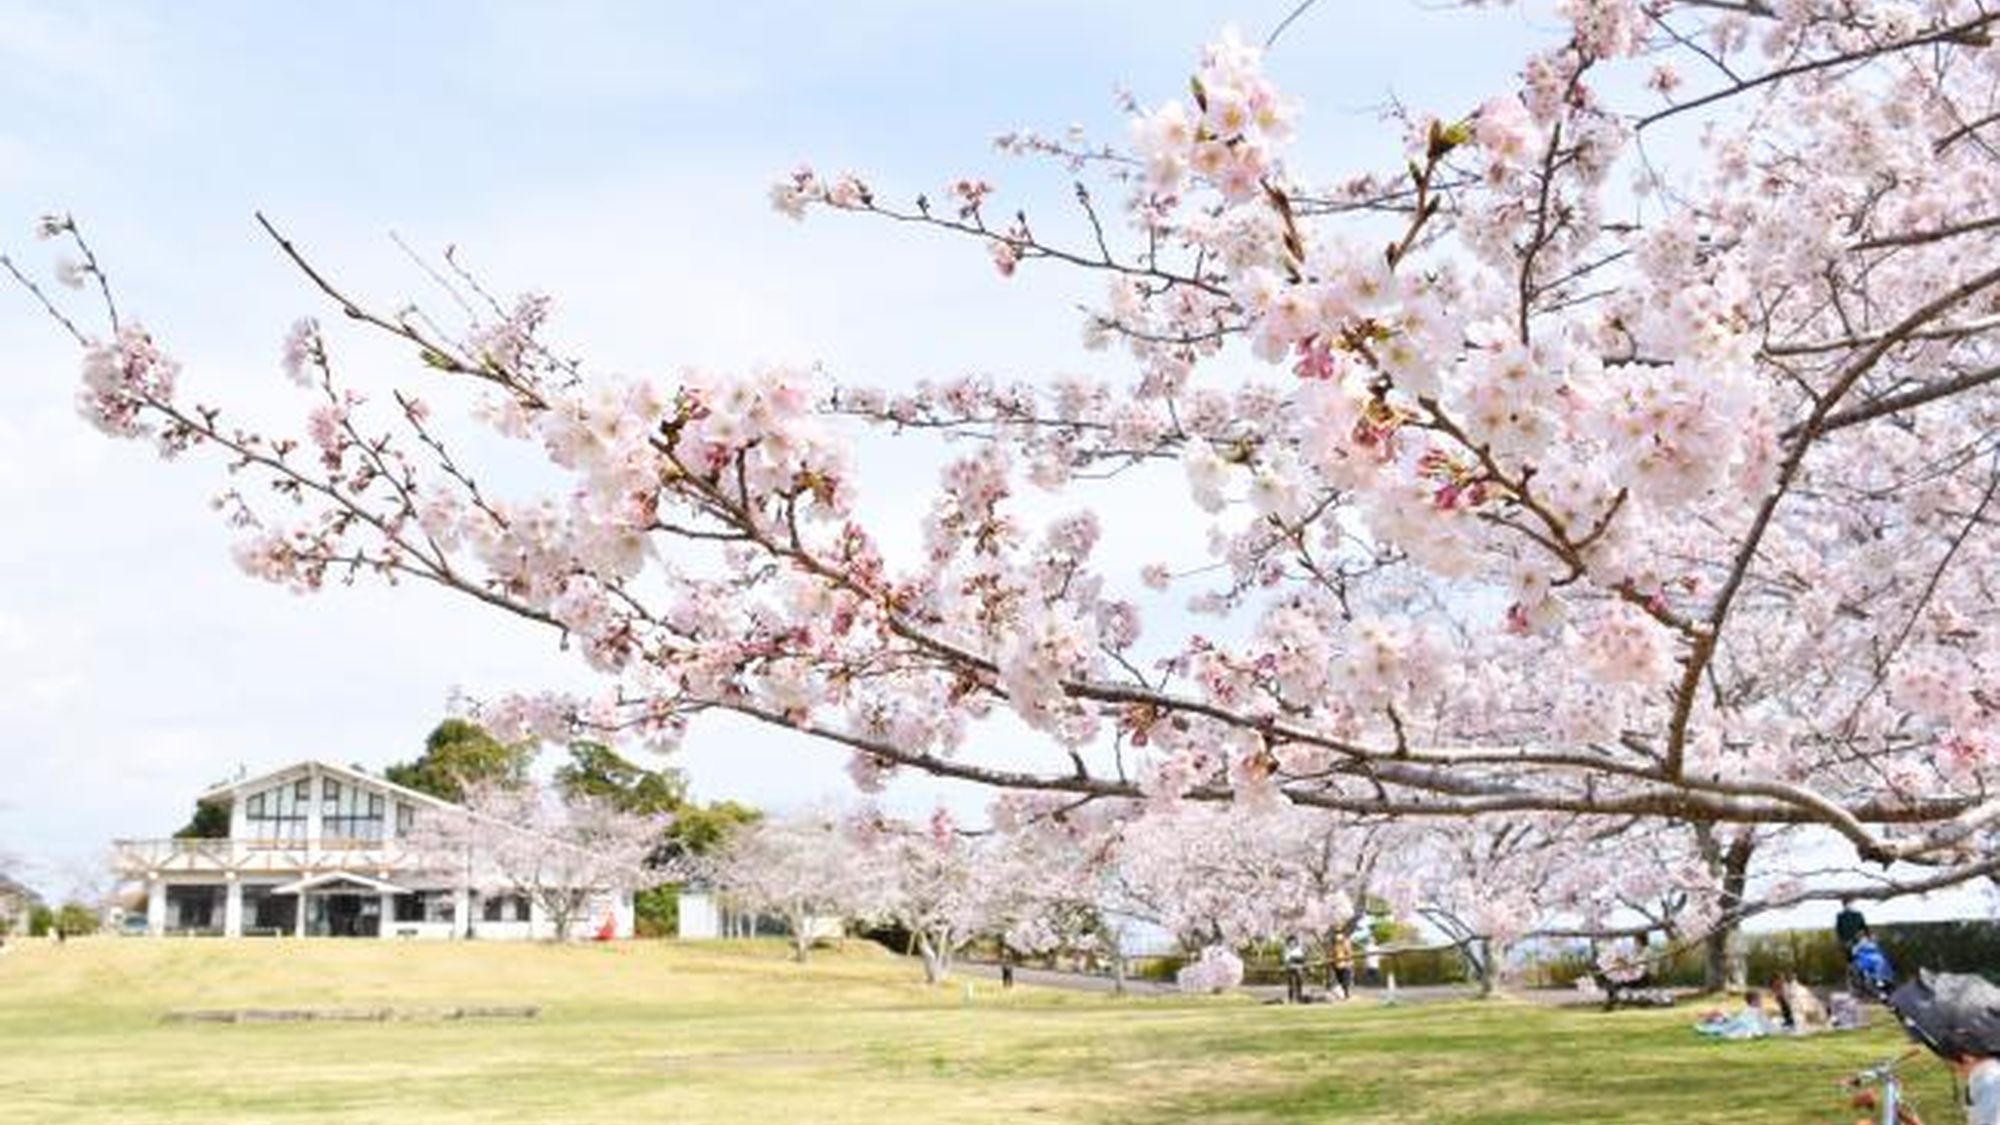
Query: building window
[348,812]
[277,814]
[425,906]
[505,908]
[194,909]
[406,819]
[266,914]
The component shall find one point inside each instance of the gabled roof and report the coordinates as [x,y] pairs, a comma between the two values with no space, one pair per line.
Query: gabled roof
[315,882]
[345,773]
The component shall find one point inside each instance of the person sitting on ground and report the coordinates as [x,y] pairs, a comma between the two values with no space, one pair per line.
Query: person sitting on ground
[1751,1022]
[1624,972]
[1798,1009]
[1845,1013]
[1787,1020]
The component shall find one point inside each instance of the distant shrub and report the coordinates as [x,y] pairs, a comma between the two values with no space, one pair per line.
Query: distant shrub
[76,920]
[1814,956]
[1162,968]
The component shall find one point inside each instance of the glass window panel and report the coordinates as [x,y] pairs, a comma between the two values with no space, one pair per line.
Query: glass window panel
[276,814]
[349,813]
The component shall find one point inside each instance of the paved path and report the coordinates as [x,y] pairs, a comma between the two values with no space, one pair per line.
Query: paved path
[1414,994]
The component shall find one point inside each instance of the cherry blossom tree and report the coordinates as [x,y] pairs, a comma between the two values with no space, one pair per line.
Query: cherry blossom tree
[1216,968]
[1234,876]
[565,854]
[1497,891]
[1625,452]
[1033,890]
[940,886]
[804,868]
[1044,889]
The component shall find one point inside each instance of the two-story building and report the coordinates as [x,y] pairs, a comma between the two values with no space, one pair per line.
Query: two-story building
[17,902]
[320,850]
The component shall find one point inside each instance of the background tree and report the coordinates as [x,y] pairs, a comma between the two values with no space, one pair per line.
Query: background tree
[568,855]
[692,830]
[210,821]
[700,830]
[806,868]
[1519,493]
[596,770]
[939,886]
[459,755]
[77,919]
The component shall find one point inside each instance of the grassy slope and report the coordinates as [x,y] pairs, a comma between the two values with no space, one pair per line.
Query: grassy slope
[733,1033]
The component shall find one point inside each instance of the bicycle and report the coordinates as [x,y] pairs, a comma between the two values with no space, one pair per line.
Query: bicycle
[1895,1110]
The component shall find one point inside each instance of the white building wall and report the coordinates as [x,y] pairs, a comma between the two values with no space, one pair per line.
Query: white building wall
[700,917]
[156,906]
[225,865]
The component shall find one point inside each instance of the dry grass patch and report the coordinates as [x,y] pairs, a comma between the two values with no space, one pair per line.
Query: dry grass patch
[733,1032]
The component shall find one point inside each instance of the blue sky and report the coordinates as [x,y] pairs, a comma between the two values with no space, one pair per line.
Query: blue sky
[613,155]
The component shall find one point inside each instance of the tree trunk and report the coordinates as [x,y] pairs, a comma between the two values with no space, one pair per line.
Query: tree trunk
[1731,866]
[801,924]
[1485,963]
[935,965]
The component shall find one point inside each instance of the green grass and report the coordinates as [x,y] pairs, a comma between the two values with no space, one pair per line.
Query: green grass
[731,1032]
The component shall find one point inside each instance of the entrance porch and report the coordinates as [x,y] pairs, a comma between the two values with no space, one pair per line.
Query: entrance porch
[342,904]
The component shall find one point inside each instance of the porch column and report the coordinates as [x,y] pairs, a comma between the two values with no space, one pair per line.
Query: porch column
[461,911]
[313,826]
[299,917]
[387,928]
[156,906]
[232,906]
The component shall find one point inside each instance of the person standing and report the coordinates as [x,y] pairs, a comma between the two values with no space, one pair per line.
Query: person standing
[1848,926]
[1343,963]
[1295,970]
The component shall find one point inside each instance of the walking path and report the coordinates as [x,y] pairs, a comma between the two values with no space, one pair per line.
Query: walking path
[1412,994]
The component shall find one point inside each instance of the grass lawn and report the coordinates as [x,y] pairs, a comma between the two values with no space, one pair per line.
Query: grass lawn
[731,1032]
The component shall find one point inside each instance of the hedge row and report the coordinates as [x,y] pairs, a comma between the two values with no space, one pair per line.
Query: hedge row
[1815,956]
